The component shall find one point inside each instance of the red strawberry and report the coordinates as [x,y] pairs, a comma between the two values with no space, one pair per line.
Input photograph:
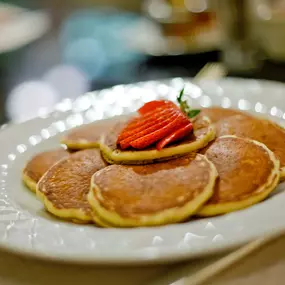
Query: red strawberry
[141,120]
[152,105]
[176,135]
[160,123]
[144,124]
[160,133]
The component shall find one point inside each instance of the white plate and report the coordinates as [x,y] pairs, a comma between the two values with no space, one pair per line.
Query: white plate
[27,229]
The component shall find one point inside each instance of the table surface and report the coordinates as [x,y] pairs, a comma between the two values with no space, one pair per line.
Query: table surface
[265,267]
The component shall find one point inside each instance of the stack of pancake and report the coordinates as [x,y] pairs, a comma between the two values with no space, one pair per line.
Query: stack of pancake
[231,161]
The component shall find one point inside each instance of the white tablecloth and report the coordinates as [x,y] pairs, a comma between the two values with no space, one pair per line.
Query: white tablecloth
[263,267]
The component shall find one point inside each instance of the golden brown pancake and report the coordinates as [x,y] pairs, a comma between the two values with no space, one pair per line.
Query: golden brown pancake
[248,173]
[216,114]
[64,187]
[264,131]
[39,164]
[204,132]
[88,136]
[153,194]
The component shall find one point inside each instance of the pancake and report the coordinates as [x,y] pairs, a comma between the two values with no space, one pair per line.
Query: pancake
[216,114]
[264,131]
[204,132]
[64,187]
[88,136]
[248,173]
[39,164]
[153,194]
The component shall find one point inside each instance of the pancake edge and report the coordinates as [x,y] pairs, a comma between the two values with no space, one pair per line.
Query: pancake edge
[282,174]
[96,219]
[75,215]
[82,144]
[99,221]
[148,156]
[265,189]
[29,182]
[167,216]
[69,214]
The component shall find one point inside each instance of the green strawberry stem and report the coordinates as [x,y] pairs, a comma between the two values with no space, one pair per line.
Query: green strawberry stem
[191,113]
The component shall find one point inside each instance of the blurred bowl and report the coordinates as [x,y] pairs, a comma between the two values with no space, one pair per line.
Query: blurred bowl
[19,26]
[183,30]
[268,22]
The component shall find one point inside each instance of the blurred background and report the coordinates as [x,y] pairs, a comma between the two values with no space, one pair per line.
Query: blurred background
[51,50]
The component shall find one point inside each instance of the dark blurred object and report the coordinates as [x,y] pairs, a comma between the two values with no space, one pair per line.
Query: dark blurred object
[155,68]
[253,30]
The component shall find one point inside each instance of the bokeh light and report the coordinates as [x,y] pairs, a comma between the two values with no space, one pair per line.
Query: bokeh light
[95,41]
[67,80]
[30,99]
[86,54]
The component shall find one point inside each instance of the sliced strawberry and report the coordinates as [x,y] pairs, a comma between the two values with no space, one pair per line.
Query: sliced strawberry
[160,133]
[152,105]
[149,116]
[125,143]
[145,124]
[144,120]
[176,135]
[160,122]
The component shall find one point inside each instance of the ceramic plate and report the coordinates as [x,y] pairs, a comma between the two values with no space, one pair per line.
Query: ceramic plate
[27,229]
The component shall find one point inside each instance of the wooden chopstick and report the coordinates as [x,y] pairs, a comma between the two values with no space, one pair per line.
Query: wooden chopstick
[197,272]
[211,71]
[227,261]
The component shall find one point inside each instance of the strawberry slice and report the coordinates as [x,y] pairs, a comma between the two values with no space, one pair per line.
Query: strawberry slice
[149,117]
[146,119]
[152,105]
[145,124]
[125,143]
[160,133]
[176,135]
